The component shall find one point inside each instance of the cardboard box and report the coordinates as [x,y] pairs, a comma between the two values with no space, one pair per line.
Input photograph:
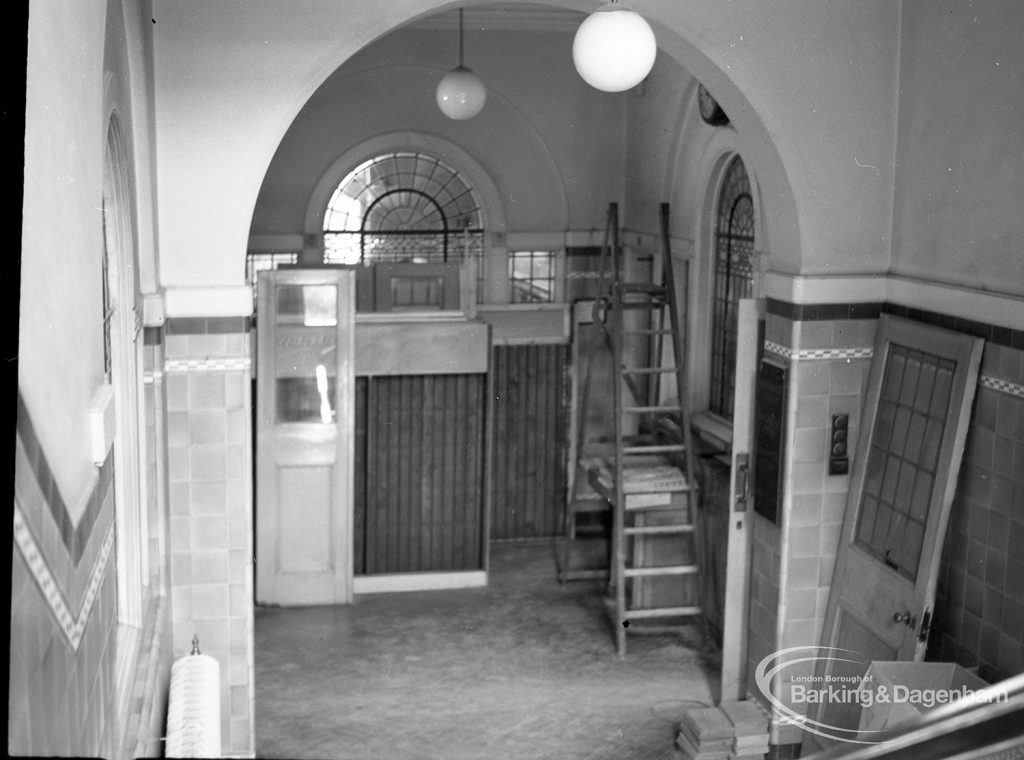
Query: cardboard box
[912,688]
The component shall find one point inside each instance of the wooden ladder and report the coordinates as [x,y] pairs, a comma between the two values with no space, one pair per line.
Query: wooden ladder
[644,471]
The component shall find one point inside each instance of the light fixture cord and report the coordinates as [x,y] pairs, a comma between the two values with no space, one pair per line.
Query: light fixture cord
[460,36]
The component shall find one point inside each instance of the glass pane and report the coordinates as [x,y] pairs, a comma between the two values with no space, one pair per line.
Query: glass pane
[905,486]
[306,399]
[932,442]
[915,438]
[884,424]
[875,468]
[881,530]
[909,550]
[940,397]
[309,305]
[922,495]
[867,521]
[924,389]
[899,430]
[893,376]
[908,388]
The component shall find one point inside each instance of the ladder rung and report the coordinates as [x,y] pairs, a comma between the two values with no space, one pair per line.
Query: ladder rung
[640,304]
[659,449]
[642,287]
[646,370]
[655,612]
[658,530]
[582,575]
[646,572]
[647,332]
[647,409]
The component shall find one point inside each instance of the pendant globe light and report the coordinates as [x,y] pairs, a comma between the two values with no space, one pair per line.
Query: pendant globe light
[614,48]
[460,93]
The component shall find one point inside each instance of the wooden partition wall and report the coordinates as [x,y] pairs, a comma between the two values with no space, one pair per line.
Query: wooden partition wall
[530,421]
[419,473]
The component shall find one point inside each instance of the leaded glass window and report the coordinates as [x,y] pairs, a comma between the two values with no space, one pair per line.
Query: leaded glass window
[532,276]
[733,279]
[403,207]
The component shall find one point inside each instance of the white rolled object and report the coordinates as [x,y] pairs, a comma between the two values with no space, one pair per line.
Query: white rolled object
[193,709]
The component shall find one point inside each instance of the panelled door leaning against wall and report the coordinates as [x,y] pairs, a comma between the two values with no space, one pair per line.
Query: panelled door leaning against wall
[305,423]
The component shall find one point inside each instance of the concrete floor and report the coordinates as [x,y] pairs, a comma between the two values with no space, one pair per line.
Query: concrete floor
[524,668]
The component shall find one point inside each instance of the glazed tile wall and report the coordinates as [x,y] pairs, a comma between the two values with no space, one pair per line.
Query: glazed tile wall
[63,614]
[979,610]
[147,722]
[207,377]
[829,361]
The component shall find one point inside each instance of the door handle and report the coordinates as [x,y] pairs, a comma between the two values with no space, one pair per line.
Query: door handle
[906,618]
[742,482]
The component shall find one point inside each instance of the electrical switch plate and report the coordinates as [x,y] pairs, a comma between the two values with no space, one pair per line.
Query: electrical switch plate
[838,462]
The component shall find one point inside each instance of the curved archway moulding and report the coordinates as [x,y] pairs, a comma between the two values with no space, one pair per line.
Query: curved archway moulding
[213,165]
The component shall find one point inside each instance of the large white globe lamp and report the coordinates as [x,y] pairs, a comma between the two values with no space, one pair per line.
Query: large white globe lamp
[614,48]
[460,93]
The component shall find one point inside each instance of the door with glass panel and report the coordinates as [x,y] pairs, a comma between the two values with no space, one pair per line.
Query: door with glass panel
[304,459]
[904,473]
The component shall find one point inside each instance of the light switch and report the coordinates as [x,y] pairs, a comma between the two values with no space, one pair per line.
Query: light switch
[838,461]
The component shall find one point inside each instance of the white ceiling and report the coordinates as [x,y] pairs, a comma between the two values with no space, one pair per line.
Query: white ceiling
[516,16]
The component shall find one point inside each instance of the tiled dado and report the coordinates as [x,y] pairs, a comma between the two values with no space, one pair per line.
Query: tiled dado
[829,347]
[63,612]
[207,382]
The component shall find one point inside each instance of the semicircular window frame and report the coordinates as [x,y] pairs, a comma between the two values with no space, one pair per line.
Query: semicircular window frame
[402,206]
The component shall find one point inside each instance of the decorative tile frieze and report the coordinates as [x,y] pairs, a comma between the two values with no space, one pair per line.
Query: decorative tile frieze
[1003,386]
[218,364]
[71,623]
[813,354]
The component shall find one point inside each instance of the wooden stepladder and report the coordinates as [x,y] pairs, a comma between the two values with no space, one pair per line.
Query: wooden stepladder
[642,469]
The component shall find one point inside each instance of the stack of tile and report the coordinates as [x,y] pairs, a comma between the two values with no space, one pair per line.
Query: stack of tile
[705,734]
[750,730]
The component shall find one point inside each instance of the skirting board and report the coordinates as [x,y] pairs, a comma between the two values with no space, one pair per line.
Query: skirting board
[377,584]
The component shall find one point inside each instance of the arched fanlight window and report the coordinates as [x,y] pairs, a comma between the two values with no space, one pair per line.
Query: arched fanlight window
[402,207]
[733,279]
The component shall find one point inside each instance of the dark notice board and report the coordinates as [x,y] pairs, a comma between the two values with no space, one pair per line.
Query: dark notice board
[769,438]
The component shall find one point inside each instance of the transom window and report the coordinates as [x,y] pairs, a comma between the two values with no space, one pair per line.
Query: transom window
[733,279]
[402,207]
[531,275]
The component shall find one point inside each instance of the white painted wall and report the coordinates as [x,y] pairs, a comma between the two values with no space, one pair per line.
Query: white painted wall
[810,87]
[68,101]
[960,155]
[551,144]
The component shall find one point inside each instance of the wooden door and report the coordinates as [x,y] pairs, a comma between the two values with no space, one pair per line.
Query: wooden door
[904,474]
[749,332]
[305,397]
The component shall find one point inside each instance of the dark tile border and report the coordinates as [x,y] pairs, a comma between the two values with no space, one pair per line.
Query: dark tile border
[995,334]
[75,538]
[206,325]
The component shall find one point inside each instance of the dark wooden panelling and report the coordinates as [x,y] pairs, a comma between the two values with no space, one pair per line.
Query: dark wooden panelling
[359,470]
[419,473]
[530,418]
